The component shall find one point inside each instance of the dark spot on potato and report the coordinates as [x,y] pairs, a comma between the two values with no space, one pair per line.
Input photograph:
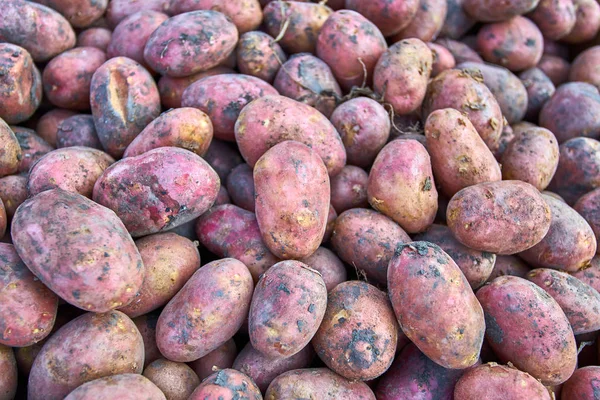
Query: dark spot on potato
[284,288]
[311,308]
[493,330]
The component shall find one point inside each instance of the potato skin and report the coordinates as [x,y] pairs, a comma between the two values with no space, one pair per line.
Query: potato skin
[509,265]
[457,21]
[187,128]
[349,189]
[9,377]
[527,327]
[459,50]
[48,124]
[175,380]
[491,10]
[146,324]
[401,185]
[227,384]
[13,192]
[157,196]
[119,120]
[3,219]
[259,55]
[171,89]
[570,243]
[80,13]
[587,206]
[222,97]
[539,89]
[32,146]
[427,23]
[78,130]
[245,14]
[94,37]
[287,308]
[43,32]
[73,228]
[442,59]
[318,383]
[587,22]
[240,187]
[389,17]
[118,10]
[555,18]
[582,384]
[495,382]
[476,216]
[122,386]
[292,199]
[10,152]
[176,48]
[555,67]
[459,156]
[222,357]
[206,312]
[230,231]
[89,347]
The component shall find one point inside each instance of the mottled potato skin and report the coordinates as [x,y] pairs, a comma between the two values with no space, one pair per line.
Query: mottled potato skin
[230,231]
[206,312]
[317,383]
[401,185]
[346,39]
[13,192]
[442,59]
[222,357]
[527,327]
[158,190]
[582,385]
[584,67]
[176,48]
[170,260]
[245,14]
[130,36]
[555,67]
[578,169]
[364,126]
[10,152]
[3,219]
[122,386]
[504,217]
[591,274]
[570,243]
[539,89]
[89,347]
[43,32]
[48,124]
[555,18]
[78,130]
[176,380]
[402,73]
[287,120]
[240,187]
[287,308]
[187,128]
[222,97]
[118,10]
[460,51]
[389,17]
[414,376]
[495,382]
[292,199]
[259,55]
[306,20]
[331,217]
[509,265]
[9,377]
[124,99]
[459,156]
[171,89]
[457,21]
[79,13]
[588,206]
[427,23]
[491,10]
[94,37]
[422,279]
[587,22]
[32,146]
[532,157]
[349,189]
[227,384]
[466,93]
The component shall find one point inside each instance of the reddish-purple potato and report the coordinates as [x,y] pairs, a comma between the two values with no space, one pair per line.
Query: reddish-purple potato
[587,22]
[78,130]
[245,14]
[555,67]
[10,374]
[583,384]
[220,358]
[460,51]
[457,21]
[13,192]
[442,59]
[330,267]
[118,10]
[240,187]
[33,147]
[48,124]
[227,384]
[95,37]
[427,23]
[259,55]
[120,386]
[588,206]
[509,265]
[539,89]
[349,189]
[491,10]
[11,153]
[389,17]
[171,89]
[80,13]
[146,324]
[555,18]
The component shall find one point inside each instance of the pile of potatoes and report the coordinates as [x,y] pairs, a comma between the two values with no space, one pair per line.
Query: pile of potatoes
[257,199]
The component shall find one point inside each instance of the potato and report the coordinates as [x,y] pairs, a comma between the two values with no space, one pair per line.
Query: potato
[349,189]
[222,97]
[367,240]
[21,85]
[176,380]
[158,196]
[509,265]
[555,18]
[32,146]
[221,358]
[48,124]
[259,55]
[292,199]
[146,324]
[587,207]
[206,312]
[240,187]
[578,169]
[389,17]
[287,308]
[401,185]
[227,384]
[305,22]
[13,192]
[457,21]
[490,10]
[570,243]
[317,383]
[539,89]
[442,59]
[262,370]
[187,128]
[270,120]
[230,231]
[532,157]
[94,37]
[245,14]
[89,347]
[466,93]
[459,156]
[516,44]
[582,384]
[414,375]
[527,327]
[40,30]
[3,219]
[587,22]
[584,68]
[505,381]
[222,197]
[556,68]
[9,377]
[423,278]
[171,89]
[351,45]
[460,51]
[10,153]
[176,48]
[78,130]
[124,99]
[401,75]
[504,217]
[131,34]
[80,14]
[331,217]
[118,10]
[121,386]
[427,23]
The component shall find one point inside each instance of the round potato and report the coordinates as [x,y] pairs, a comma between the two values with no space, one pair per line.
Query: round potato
[222,357]
[227,384]
[176,380]
[122,386]
[259,55]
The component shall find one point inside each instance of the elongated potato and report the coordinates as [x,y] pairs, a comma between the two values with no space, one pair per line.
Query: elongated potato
[122,386]
[555,18]
[80,13]
[427,23]
[240,187]
[490,10]
[389,17]
[146,324]
[171,89]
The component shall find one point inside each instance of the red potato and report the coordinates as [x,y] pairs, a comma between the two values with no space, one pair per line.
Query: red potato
[176,380]
[240,187]
[427,23]
[227,384]
[259,55]
[10,375]
[582,385]
[330,267]
[389,17]
[206,312]
[402,73]
[331,217]
[222,197]
[401,185]
[588,206]
[78,130]
[349,189]
[491,10]
[587,22]
[121,386]
[187,128]
[457,21]
[95,37]
[442,59]
[164,197]
[585,67]
[509,265]
[460,51]
[222,97]
[350,44]
[118,10]
[539,90]
[556,68]
[48,124]
[591,274]
[220,358]
[89,347]
[80,13]
[11,153]
[171,89]
[146,324]
[32,146]
[43,32]
[13,192]
[230,231]
[555,18]
[245,14]
[3,219]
